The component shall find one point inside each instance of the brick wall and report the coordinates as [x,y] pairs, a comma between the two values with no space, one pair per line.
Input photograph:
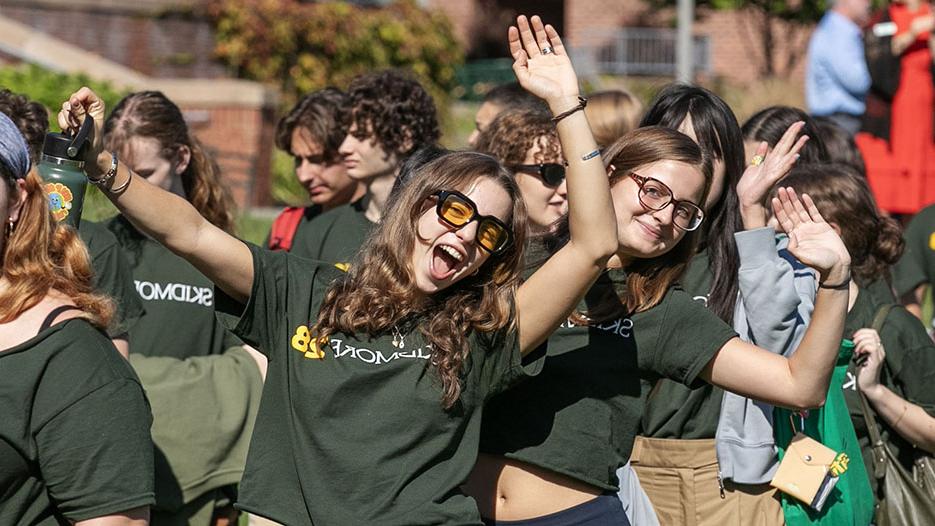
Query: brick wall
[241,141]
[149,36]
[737,51]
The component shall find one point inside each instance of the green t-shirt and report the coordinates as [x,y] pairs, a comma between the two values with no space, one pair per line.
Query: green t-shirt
[676,411]
[909,371]
[179,300]
[196,454]
[336,235]
[112,275]
[579,417]
[917,265]
[354,432]
[302,230]
[74,438]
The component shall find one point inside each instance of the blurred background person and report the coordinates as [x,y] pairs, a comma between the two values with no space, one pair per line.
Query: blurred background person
[311,133]
[503,97]
[526,142]
[899,146]
[611,114]
[836,75]
[196,471]
[390,115]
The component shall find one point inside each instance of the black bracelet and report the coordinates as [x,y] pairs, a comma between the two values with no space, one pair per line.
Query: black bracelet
[840,286]
[582,102]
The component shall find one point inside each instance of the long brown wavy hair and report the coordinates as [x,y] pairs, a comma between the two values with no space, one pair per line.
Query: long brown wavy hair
[42,255]
[874,241]
[647,279]
[152,115]
[379,291]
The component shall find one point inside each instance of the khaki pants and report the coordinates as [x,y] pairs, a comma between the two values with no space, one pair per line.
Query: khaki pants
[681,479]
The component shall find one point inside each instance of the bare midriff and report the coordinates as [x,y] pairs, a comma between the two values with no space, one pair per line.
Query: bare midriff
[509,490]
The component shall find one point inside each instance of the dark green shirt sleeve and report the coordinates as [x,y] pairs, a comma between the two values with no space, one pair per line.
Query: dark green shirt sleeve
[912,270]
[912,367]
[96,455]
[503,363]
[688,336]
[275,276]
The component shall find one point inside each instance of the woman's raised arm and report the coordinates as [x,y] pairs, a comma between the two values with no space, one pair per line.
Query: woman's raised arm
[801,381]
[164,216]
[543,68]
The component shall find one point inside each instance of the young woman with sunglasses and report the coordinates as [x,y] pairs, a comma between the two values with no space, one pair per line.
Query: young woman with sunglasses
[526,142]
[551,446]
[371,409]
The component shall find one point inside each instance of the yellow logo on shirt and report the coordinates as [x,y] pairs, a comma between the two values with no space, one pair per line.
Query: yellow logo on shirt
[303,342]
[932,241]
[343,267]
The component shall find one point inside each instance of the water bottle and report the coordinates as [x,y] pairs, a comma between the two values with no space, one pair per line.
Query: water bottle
[61,167]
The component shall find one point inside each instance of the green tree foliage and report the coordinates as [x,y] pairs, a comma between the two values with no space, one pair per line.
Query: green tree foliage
[303,46]
[51,89]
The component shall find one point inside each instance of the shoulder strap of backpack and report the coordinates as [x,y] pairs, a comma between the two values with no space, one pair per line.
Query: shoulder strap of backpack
[284,227]
[880,318]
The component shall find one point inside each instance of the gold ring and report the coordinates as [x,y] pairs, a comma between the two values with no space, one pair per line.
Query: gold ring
[757,160]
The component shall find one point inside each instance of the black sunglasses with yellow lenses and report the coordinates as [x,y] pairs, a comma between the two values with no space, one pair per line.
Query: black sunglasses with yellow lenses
[552,174]
[457,210]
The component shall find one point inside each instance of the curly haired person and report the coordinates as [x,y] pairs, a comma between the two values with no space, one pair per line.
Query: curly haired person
[389,116]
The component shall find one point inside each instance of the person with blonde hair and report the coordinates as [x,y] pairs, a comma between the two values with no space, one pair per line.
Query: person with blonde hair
[75,443]
[611,114]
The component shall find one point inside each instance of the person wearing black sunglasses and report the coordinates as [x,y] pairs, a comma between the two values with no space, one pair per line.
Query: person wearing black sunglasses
[526,142]
[372,404]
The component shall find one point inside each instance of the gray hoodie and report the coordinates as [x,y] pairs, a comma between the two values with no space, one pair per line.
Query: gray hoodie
[779,293]
[777,297]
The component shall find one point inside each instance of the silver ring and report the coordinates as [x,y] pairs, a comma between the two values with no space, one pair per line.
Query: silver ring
[547,49]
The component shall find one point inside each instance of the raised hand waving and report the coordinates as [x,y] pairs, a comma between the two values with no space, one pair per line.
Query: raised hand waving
[540,61]
[811,239]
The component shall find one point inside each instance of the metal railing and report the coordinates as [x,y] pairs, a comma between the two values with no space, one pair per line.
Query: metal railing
[640,51]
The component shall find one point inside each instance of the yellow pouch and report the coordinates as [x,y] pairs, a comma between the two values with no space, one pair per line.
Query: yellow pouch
[805,471]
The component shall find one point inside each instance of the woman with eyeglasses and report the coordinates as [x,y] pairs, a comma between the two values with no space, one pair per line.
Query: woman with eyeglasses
[550,447]
[526,142]
[377,377]
[743,274]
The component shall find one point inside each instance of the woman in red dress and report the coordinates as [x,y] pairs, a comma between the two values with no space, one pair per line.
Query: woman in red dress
[902,171]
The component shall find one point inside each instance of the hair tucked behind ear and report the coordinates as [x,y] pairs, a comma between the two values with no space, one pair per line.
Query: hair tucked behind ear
[42,255]
[875,242]
[379,291]
[150,114]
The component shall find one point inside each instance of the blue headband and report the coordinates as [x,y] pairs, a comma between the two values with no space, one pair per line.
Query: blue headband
[14,154]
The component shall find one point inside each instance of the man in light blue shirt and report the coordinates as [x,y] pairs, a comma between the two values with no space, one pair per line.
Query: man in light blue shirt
[836,75]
